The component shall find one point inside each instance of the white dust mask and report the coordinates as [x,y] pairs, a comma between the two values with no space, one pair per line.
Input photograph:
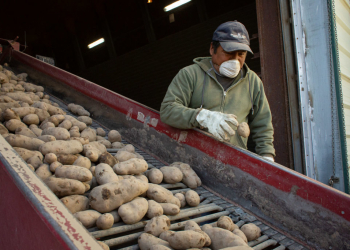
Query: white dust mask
[230,68]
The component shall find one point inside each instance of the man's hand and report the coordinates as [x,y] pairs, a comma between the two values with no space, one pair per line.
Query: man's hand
[217,123]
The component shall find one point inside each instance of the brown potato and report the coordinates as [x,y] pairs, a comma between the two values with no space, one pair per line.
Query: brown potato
[171,175]
[114,136]
[170,209]
[43,171]
[89,133]
[35,161]
[186,240]
[74,131]
[66,124]
[240,234]
[133,211]
[155,175]
[58,133]
[82,162]
[110,196]
[78,110]
[252,231]
[108,159]
[66,159]
[161,195]
[105,174]
[50,158]
[243,130]
[88,217]
[62,187]
[115,216]
[157,225]
[154,209]
[103,245]
[190,178]
[25,132]
[76,203]
[13,124]
[105,221]
[182,199]
[146,241]
[129,148]
[192,198]
[54,166]
[73,172]
[132,166]
[101,132]
[61,147]
[46,138]
[117,145]
[85,119]
[225,222]
[124,156]
[26,154]
[191,225]
[24,142]
[75,122]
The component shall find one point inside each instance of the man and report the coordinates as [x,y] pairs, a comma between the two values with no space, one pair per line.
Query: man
[220,91]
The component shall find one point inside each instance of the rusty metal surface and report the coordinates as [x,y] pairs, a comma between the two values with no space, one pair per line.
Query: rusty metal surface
[273,77]
[274,193]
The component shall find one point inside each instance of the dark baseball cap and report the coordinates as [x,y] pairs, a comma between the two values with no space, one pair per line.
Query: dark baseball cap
[232,36]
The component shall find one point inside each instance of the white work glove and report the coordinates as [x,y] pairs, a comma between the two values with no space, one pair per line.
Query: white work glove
[217,123]
[269,158]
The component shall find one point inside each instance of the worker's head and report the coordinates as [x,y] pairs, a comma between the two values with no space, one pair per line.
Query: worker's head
[230,42]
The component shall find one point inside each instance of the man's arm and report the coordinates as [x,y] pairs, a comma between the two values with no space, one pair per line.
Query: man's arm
[174,109]
[260,124]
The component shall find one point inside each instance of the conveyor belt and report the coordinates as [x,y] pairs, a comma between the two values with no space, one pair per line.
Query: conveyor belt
[122,236]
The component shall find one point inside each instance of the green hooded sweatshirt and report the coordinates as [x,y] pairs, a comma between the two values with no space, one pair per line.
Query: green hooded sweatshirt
[245,98]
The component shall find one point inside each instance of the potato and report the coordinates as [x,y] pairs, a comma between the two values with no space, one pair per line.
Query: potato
[115,215]
[43,171]
[243,130]
[66,159]
[50,158]
[154,209]
[26,154]
[3,129]
[160,247]
[13,124]
[225,222]
[103,245]
[54,166]
[89,133]
[37,131]
[61,147]
[182,199]
[238,248]
[19,96]
[6,99]
[76,203]
[106,143]
[94,150]
[240,234]
[101,132]
[222,238]
[141,177]
[25,132]
[110,196]
[190,178]
[124,156]
[132,166]
[73,172]
[9,114]
[171,175]
[191,225]
[85,119]
[192,198]
[24,142]
[55,119]
[166,234]
[252,231]
[157,225]
[105,221]
[146,241]
[31,167]
[74,131]
[133,211]
[100,138]
[35,161]
[83,162]
[161,195]
[46,125]
[40,94]
[62,187]
[75,122]
[49,108]
[29,87]
[108,159]
[66,124]
[92,170]
[58,133]
[117,145]
[78,110]
[114,136]
[88,217]
[186,240]
[129,148]
[105,174]
[83,140]
[170,209]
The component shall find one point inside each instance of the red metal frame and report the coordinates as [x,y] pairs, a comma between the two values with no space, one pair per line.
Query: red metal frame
[272,174]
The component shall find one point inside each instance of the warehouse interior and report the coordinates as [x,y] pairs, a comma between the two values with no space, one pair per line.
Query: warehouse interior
[145,46]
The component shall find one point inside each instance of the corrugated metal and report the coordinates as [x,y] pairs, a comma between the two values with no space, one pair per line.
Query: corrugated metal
[342,11]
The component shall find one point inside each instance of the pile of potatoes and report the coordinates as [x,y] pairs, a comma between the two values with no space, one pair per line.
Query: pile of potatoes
[99,188]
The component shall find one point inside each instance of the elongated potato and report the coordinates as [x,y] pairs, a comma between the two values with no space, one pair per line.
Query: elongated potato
[110,196]
[222,238]
[26,154]
[13,124]
[73,172]
[82,140]
[46,138]
[132,166]
[3,129]
[66,159]
[171,175]
[129,148]
[89,133]
[43,171]
[226,222]
[94,150]
[74,131]
[58,133]
[35,161]
[170,209]
[75,122]
[61,147]
[66,124]
[76,203]
[133,211]
[83,162]
[25,132]
[105,221]
[46,125]
[117,145]
[124,156]
[78,110]
[161,195]
[190,178]
[252,231]
[105,174]
[88,217]
[191,225]
[154,209]
[85,119]
[24,142]
[155,175]
[157,225]
[101,132]
[192,198]
[186,240]
[146,241]
[63,187]
[240,234]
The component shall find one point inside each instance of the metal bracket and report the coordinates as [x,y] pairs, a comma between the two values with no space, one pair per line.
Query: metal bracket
[333,180]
